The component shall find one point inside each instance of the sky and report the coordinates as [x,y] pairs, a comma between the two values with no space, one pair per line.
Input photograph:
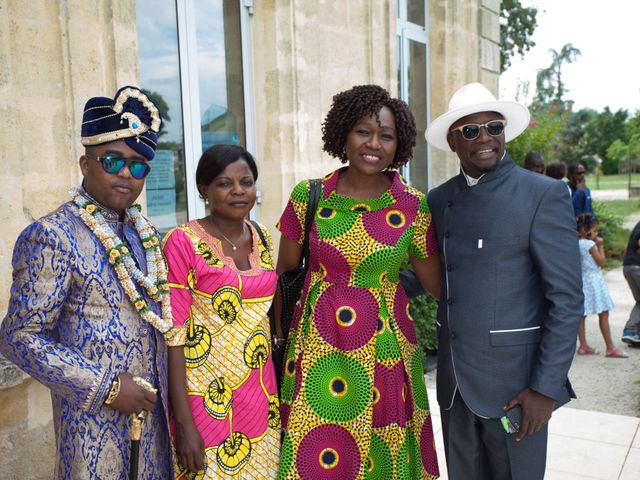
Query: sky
[606,32]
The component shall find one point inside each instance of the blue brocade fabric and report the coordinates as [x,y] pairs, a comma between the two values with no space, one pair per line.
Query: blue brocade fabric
[71,326]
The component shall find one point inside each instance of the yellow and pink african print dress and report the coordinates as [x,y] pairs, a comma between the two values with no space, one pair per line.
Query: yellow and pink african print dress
[230,377]
[353,402]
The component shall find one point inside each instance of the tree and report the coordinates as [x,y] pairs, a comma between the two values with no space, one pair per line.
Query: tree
[572,145]
[549,85]
[601,131]
[517,24]
[633,160]
[162,106]
[618,152]
[541,136]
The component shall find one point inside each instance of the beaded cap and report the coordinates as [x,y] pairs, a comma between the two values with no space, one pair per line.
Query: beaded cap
[129,116]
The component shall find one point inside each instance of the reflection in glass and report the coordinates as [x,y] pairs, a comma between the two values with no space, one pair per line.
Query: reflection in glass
[160,79]
[417,90]
[220,72]
[415,12]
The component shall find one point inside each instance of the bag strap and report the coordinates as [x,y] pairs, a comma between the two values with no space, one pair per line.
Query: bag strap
[315,185]
[260,234]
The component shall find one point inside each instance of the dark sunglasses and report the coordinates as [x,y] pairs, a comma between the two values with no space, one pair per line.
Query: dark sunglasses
[471,131]
[114,164]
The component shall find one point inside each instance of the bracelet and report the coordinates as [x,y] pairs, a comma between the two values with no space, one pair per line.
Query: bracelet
[277,342]
[141,382]
[114,391]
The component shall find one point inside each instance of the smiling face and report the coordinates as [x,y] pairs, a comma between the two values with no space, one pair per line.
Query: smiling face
[371,144]
[481,154]
[115,191]
[232,193]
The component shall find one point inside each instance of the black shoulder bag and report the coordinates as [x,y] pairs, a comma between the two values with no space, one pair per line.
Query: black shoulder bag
[291,282]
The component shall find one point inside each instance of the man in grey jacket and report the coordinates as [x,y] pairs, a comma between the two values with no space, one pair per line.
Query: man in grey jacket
[511,295]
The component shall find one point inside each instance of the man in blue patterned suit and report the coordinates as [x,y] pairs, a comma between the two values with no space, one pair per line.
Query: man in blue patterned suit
[85,315]
[511,293]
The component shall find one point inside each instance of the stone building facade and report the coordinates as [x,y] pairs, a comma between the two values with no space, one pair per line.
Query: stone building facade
[283,61]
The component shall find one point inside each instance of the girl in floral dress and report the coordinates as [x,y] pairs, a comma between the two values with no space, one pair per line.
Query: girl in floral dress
[354,402]
[224,404]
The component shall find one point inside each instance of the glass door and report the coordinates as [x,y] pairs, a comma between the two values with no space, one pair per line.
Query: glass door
[193,55]
[413,83]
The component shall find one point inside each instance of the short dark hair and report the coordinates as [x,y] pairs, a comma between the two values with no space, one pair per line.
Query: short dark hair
[350,106]
[531,158]
[557,170]
[586,220]
[572,168]
[215,159]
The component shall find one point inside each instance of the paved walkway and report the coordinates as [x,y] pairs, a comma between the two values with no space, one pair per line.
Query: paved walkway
[583,445]
[620,194]
[598,435]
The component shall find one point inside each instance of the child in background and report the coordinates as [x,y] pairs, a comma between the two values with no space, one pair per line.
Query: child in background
[596,295]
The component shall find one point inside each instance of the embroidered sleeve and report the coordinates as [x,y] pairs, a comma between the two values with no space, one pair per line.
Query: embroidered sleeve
[178,251]
[423,244]
[291,223]
[42,279]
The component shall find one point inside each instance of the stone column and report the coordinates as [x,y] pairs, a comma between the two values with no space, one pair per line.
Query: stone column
[303,54]
[464,38]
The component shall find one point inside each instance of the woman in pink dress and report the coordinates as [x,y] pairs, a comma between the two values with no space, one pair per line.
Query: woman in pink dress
[224,403]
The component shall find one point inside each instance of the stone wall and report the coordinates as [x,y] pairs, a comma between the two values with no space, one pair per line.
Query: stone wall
[303,54]
[54,56]
[464,40]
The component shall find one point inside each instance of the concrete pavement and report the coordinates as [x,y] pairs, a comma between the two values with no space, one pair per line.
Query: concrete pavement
[598,435]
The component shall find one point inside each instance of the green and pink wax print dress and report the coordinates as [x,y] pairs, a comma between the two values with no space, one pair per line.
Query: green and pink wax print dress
[353,402]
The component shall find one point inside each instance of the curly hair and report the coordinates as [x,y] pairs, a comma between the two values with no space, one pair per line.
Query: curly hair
[350,106]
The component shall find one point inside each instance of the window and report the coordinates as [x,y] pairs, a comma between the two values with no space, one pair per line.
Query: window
[191,64]
[412,57]
[160,79]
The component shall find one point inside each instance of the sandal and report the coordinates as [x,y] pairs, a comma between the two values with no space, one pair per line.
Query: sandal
[587,350]
[614,352]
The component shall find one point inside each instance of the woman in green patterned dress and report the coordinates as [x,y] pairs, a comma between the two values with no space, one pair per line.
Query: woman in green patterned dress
[354,402]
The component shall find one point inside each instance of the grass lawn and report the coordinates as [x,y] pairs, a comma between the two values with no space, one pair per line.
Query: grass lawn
[624,208]
[612,182]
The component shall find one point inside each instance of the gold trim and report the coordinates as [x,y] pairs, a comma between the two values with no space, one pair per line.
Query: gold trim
[108,137]
[135,93]
[99,118]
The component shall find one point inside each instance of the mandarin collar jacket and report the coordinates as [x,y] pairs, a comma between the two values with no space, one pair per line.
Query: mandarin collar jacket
[512,289]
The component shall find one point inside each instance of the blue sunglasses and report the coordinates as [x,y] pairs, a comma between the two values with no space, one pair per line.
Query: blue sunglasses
[114,164]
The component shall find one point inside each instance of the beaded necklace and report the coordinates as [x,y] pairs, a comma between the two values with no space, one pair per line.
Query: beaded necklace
[155,282]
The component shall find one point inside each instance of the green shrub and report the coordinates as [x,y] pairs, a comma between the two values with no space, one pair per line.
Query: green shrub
[423,311]
[615,237]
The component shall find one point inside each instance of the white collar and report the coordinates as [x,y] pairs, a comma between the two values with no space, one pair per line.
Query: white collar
[474,181]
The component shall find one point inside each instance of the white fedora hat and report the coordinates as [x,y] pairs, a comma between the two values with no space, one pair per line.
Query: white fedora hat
[475,98]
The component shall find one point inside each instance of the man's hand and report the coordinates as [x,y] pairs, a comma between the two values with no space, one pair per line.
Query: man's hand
[189,447]
[132,398]
[536,411]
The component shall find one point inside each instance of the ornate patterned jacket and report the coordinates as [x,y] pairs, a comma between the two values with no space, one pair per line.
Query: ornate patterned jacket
[71,326]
